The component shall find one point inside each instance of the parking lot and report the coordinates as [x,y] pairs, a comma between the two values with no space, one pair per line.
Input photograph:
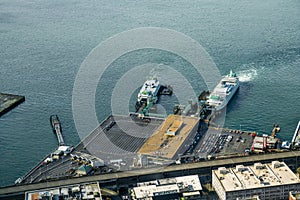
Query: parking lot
[221,142]
[233,144]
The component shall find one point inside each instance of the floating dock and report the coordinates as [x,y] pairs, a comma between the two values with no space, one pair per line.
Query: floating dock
[9,101]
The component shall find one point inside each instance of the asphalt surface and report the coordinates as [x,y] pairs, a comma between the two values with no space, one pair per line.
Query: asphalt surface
[143,172]
[116,141]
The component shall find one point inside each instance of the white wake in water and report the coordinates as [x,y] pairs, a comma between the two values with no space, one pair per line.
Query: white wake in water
[247,75]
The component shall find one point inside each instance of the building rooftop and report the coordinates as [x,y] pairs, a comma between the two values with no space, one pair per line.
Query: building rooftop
[255,176]
[174,127]
[269,139]
[283,173]
[83,191]
[163,145]
[264,142]
[184,184]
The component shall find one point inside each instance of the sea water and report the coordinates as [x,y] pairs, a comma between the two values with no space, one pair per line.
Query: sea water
[43,44]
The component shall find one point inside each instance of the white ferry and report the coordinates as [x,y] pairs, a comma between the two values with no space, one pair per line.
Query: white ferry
[149,90]
[224,91]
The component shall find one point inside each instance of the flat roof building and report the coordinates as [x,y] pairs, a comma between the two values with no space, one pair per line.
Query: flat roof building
[268,181]
[184,186]
[172,137]
[262,143]
[88,191]
[174,128]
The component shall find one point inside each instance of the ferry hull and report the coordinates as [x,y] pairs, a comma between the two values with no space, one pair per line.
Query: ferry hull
[223,92]
[228,99]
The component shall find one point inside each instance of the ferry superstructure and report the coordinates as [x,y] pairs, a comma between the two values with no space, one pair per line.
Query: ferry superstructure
[149,89]
[223,92]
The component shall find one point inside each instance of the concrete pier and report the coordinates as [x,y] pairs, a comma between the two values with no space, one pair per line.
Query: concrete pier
[56,126]
[9,101]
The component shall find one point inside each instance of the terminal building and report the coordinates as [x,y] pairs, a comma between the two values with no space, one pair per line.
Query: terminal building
[263,143]
[186,187]
[174,136]
[267,181]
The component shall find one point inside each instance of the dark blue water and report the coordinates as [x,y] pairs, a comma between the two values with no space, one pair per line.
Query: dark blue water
[43,44]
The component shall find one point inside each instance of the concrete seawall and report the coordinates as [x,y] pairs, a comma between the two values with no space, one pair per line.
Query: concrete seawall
[9,101]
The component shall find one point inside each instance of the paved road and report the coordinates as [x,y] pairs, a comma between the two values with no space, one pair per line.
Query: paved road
[207,143]
[144,172]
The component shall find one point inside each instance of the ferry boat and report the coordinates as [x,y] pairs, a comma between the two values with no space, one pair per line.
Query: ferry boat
[149,90]
[223,92]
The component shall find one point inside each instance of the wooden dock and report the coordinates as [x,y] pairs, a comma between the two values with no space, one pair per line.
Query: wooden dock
[9,101]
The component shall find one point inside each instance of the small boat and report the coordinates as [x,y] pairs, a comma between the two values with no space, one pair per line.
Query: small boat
[286,145]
